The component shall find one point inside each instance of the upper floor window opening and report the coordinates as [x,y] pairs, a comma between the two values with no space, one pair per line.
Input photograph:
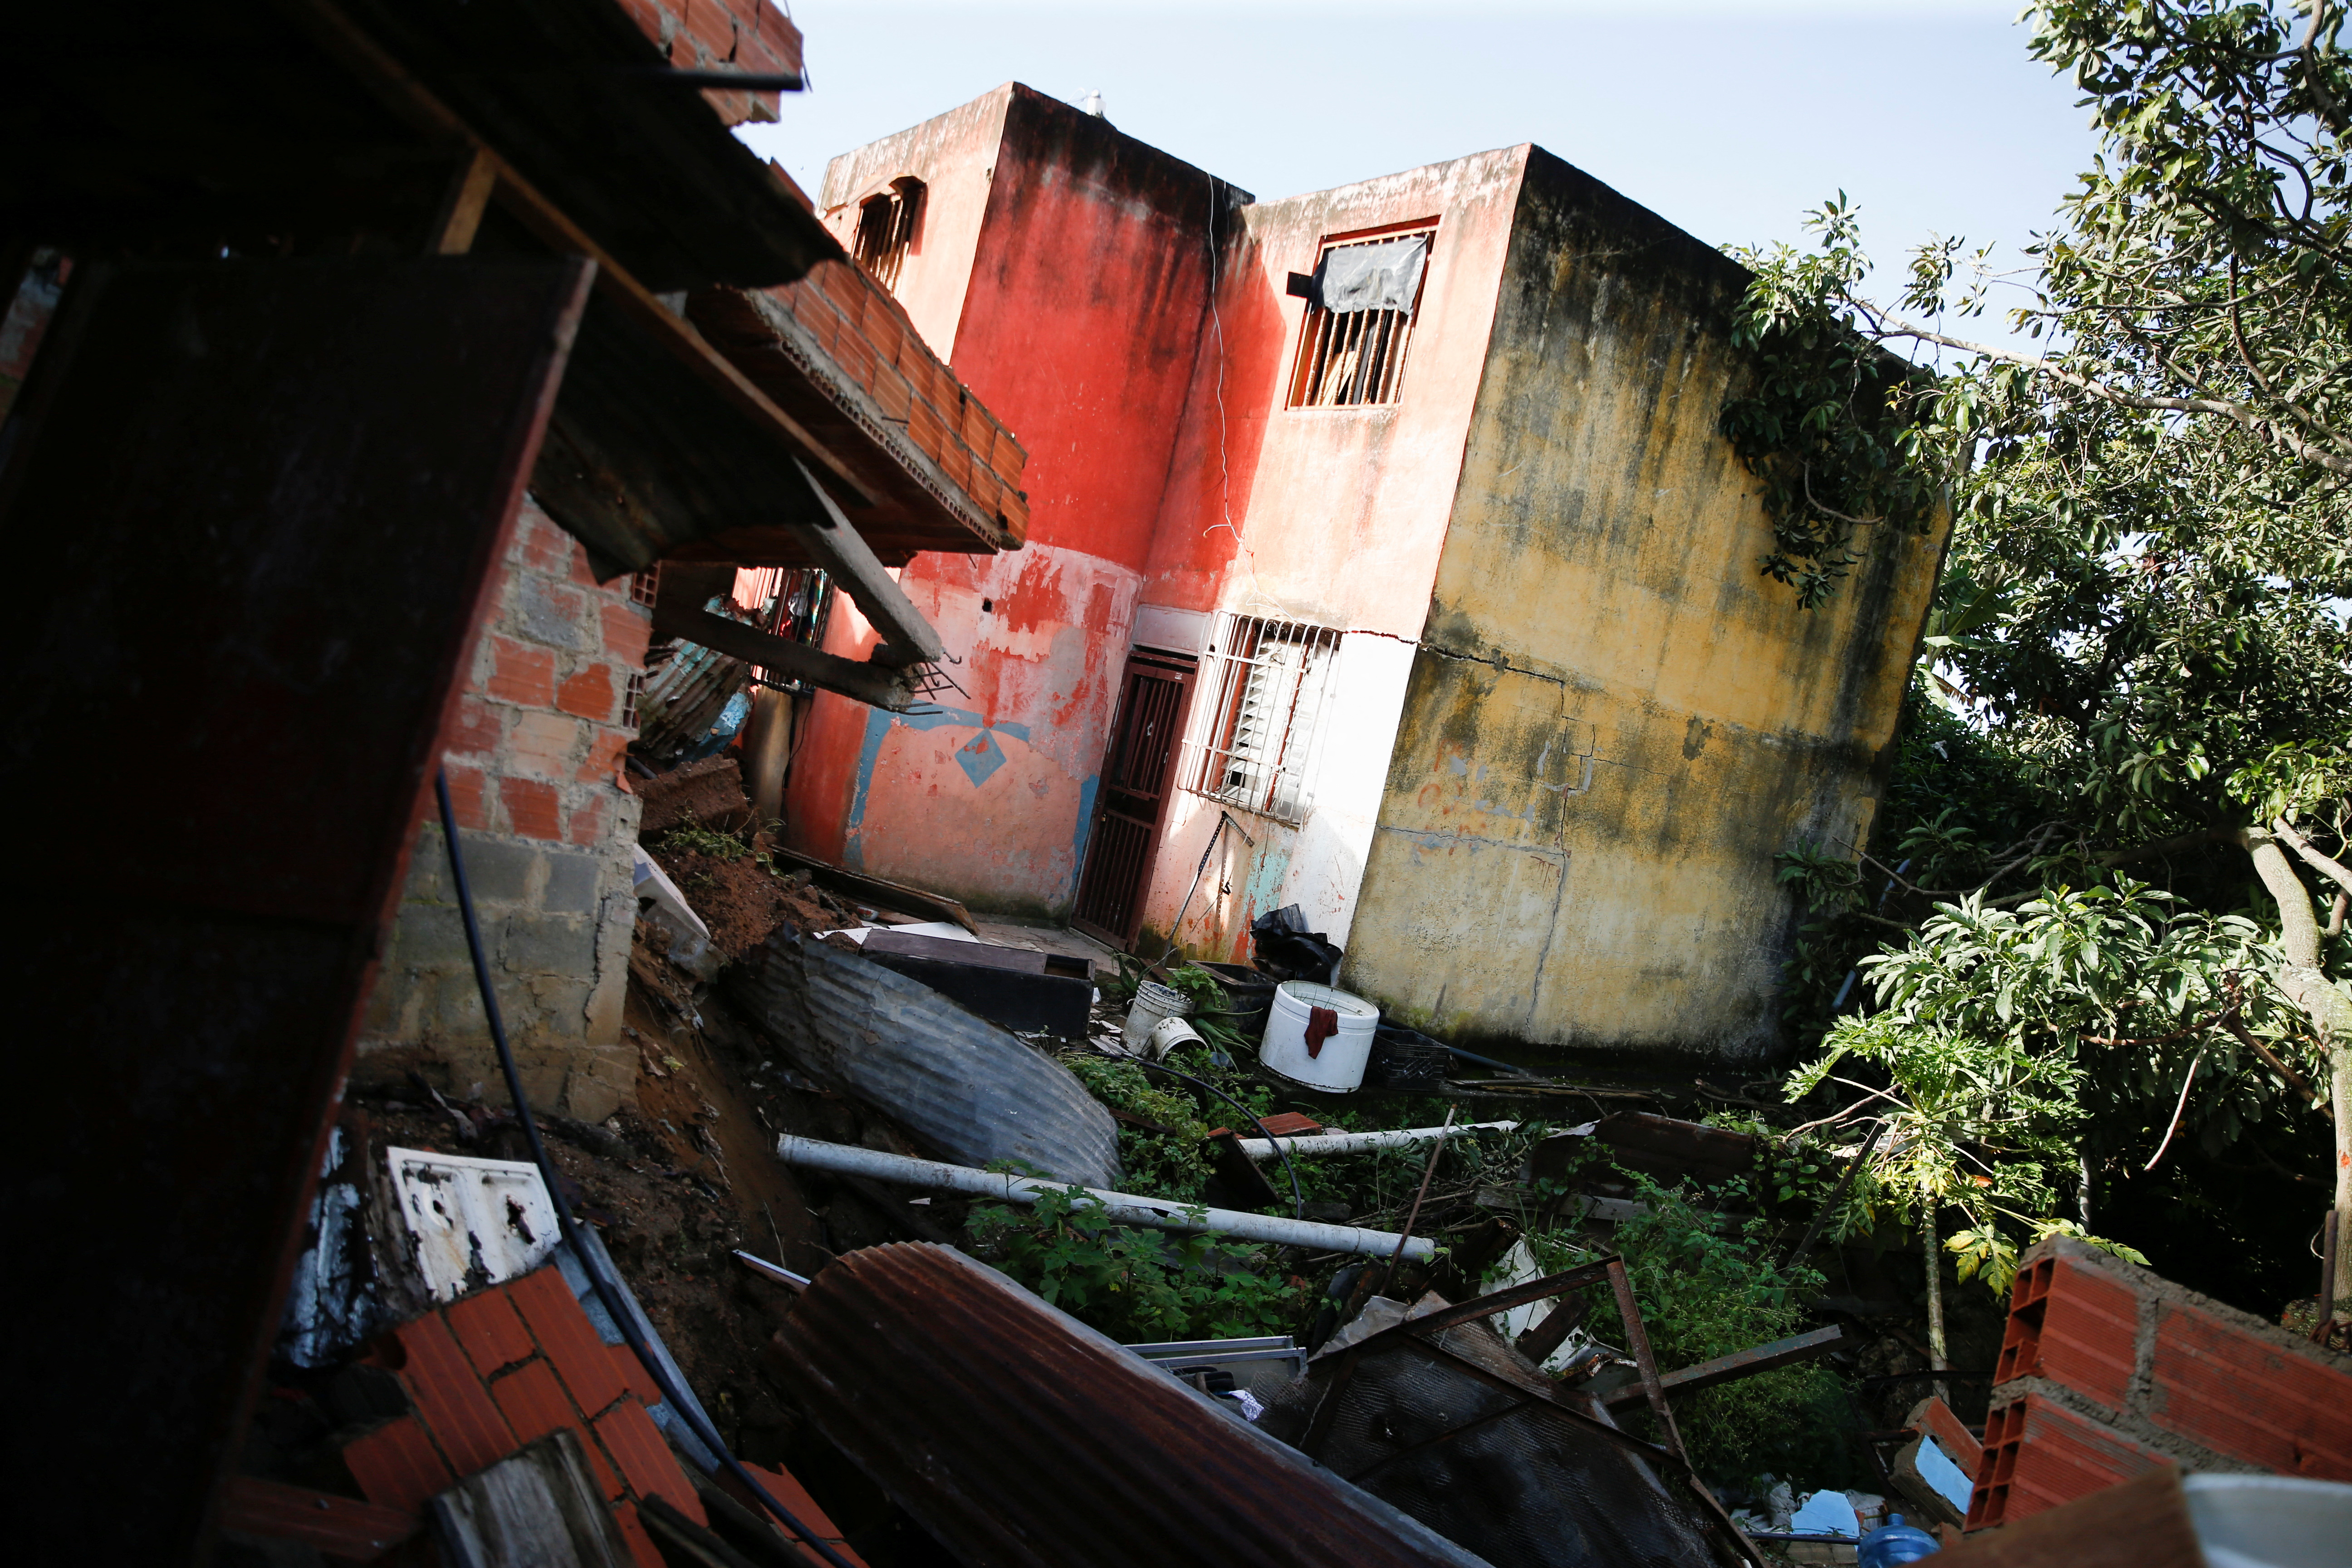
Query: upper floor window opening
[1361,301]
[886,227]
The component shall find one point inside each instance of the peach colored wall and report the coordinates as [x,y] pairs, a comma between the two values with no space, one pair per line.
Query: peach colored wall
[1337,517]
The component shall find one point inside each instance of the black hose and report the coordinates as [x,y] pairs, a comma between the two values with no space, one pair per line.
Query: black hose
[608,1291]
[1298,1196]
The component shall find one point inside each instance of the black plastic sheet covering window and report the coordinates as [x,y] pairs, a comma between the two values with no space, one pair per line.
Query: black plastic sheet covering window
[1384,276]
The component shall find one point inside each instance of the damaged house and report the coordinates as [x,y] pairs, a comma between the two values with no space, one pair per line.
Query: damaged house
[1385,559]
[363,363]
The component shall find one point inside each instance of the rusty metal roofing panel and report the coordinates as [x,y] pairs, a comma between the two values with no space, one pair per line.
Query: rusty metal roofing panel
[1018,1435]
[970,1090]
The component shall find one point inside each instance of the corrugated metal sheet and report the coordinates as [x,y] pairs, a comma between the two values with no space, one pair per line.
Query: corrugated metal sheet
[1018,1435]
[970,1090]
[686,688]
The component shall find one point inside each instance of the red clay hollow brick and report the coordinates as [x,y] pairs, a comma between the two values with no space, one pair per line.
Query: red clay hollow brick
[2075,1326]
[605,750]
[628,629]
[589,694]
[2222,1387]
[532,808]
[474,729]
[448,1394]
[520,673]
[492,1335]
[586,827]
[468,797]
[565,1334]
[644,1460]
[2039,1455]
[396,1465]
[544,546]
[343,1527]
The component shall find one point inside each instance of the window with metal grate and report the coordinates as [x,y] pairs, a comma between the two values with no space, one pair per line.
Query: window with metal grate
[1361,301]
[886,229]
[1253,744]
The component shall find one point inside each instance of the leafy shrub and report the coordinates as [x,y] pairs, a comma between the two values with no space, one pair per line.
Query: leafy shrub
[1137,1285]
[1709,1284]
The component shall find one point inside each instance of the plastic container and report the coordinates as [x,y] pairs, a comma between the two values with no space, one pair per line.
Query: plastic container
[1167,1035]
[1898,1542]
[1153,1002]
[1406,1059]
[1338,1068]
[2270,1521]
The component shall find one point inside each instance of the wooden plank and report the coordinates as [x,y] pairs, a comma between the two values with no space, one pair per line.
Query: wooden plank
[2139,1523]
[462,206]
[1738,1364]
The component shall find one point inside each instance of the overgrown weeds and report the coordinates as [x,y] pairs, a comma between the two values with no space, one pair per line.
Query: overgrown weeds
[1138,1285]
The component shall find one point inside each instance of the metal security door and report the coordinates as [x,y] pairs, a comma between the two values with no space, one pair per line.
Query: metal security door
[1138,772]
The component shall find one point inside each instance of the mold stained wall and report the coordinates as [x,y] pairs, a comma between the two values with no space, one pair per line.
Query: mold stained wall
[1333,516]
[1062,270]
[1577,850]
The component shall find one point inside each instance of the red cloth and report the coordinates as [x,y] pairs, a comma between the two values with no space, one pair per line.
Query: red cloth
[1322,1022]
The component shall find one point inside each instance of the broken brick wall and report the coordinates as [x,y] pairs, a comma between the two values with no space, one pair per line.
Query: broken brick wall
[750,36]
[533,755]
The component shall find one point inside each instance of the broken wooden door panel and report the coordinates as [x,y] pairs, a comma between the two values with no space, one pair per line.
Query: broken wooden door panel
[1138,774]
[253,505]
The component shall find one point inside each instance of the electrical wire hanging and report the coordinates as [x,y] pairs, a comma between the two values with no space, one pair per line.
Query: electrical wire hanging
[608,1290]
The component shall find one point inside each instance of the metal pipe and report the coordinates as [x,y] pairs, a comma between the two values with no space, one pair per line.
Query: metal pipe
[1127,1208]
[1356,1142]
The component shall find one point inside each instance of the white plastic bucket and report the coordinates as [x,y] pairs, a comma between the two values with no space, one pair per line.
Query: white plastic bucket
[1167,1035]
[1338,1067]
[1153,1002]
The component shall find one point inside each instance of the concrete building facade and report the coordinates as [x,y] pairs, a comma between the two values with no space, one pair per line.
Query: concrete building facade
[1434,611]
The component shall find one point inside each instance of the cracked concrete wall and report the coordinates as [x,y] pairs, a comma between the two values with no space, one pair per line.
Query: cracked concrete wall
[1614,722]
[533,755]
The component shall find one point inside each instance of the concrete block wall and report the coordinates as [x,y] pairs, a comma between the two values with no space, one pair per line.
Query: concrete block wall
[2106,1369]
[534,756]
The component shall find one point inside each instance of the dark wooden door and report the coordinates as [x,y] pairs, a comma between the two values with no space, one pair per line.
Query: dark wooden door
[251,509]
[1137,774]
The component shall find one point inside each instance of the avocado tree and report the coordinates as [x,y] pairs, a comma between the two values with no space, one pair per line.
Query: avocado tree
[2143,607]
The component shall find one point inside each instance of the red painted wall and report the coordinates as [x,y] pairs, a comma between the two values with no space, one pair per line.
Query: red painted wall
[1076,262]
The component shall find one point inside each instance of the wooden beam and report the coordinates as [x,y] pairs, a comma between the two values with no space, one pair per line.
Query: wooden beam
[407,96]
[462,206]
[1738,1364]
[875,684]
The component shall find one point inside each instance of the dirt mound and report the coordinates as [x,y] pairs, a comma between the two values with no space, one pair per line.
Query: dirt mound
[742,902]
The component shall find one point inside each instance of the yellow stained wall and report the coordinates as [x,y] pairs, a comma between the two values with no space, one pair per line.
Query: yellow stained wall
[1615,721]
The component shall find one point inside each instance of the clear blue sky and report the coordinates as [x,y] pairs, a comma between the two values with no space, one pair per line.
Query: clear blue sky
[1729,118]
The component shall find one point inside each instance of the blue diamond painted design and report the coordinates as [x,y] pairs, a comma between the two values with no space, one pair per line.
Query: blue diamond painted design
[980,757]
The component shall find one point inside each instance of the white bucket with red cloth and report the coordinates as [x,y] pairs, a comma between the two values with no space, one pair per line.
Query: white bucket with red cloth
[1319,1035]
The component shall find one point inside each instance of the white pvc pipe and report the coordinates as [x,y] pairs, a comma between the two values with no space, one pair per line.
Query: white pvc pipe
[1356,1142]
[1125,1208]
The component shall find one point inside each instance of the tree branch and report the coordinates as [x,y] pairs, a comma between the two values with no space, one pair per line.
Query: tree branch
[2110,859]
[2333,870]
[2240,414]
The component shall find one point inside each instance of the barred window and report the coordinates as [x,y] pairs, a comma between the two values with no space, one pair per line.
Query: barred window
[1254,741]
[1361,301]
[886,228]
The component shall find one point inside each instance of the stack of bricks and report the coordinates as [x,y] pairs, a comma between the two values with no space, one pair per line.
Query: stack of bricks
[873,345]
[533,755]
[507,1365]
[750,36]
[2108,1370]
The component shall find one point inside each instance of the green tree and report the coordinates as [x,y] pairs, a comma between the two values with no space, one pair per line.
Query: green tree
[2143,608]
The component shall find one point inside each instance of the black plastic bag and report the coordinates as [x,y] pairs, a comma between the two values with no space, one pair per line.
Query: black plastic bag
[1282,946]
